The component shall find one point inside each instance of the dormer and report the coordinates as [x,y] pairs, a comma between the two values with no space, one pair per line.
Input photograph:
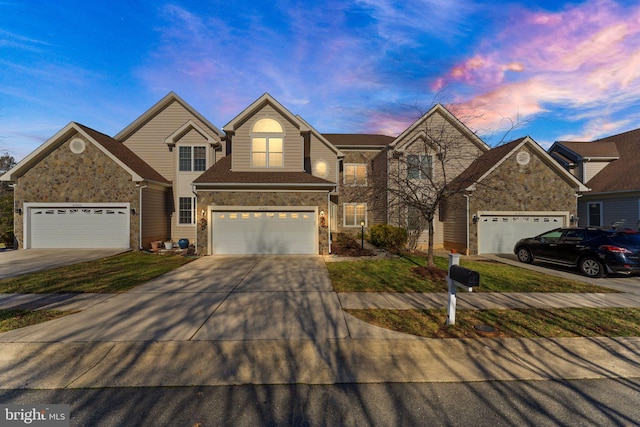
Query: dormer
[268,137]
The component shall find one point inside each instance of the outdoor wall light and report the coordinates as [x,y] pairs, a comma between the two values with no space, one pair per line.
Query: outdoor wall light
[19,211]
[133,211]
[323,222]
[475,218]
[203,212]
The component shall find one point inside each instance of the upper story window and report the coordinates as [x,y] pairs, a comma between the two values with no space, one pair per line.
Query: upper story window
[267,149]
[418,166]
[355,174]
[192,158]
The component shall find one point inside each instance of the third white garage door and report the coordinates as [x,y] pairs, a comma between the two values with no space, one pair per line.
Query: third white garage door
[497,234]
[264,232]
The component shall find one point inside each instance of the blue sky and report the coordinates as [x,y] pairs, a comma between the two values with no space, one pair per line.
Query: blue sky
[557,70]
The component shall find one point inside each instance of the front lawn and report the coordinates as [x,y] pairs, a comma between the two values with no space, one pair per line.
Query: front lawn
[516,323]
[14,319]
[114,274]
[408,274]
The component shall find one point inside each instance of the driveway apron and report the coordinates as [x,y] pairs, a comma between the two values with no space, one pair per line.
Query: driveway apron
[212,298]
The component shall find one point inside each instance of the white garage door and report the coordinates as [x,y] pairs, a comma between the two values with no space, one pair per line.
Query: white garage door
[497,234]
[78,227]
[260,232]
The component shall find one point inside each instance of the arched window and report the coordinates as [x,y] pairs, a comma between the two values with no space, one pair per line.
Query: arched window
[267,138]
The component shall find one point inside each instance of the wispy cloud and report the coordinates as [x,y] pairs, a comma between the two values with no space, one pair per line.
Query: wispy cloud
[576,58]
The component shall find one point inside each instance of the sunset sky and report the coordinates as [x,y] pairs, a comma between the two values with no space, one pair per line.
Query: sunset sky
[553,70]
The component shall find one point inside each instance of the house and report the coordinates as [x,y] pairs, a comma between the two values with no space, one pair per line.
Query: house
[512,191]
[269,182]
[609,167]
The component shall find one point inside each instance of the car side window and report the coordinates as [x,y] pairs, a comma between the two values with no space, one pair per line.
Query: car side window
[551,236]
[573,235]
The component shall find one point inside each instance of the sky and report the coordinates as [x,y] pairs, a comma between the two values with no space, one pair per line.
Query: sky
[551,69]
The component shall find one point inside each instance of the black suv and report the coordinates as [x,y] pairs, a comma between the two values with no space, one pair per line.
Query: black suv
[592,250]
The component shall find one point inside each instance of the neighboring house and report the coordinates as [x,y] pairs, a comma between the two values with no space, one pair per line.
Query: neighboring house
[609,167]
[268,182]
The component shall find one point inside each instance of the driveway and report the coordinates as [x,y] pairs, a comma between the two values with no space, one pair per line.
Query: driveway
[15,263]
[619,282]
[212,298]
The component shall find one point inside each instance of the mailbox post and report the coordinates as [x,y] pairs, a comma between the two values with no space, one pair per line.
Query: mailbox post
[458,277]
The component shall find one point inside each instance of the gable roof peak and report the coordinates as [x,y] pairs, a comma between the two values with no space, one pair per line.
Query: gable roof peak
[257,105]
[447,115]
[160,106]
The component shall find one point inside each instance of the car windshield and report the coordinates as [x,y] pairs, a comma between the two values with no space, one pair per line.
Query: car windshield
[627,239]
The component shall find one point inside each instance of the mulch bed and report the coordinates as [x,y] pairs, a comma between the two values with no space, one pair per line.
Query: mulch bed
[350,250]
[434,274]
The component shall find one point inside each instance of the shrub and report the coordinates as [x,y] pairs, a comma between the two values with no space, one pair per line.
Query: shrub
[387,236]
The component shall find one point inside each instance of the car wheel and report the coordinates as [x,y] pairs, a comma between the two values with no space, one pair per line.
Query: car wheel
[524,255]
[591,267]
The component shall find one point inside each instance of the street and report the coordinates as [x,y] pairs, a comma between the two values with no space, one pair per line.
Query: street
[603,402]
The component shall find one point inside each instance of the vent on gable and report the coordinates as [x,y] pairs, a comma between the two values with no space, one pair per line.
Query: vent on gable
[77,145]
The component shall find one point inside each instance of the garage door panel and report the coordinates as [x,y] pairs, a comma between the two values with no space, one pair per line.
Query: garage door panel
[499,233]
[95,227]
[263,233]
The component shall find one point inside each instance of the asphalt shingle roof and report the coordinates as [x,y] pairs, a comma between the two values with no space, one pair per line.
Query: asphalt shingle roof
[221,173]
[125,155]
[622,174]
[346,139]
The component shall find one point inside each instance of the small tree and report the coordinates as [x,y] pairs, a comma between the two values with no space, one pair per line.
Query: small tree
[428,157]
[6,202]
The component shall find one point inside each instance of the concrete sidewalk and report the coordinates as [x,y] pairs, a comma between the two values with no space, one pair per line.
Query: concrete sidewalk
[213,363]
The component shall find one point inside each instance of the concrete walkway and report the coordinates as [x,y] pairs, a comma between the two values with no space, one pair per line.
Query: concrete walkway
[275,320]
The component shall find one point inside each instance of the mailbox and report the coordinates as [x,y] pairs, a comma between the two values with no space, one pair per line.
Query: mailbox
[464,276]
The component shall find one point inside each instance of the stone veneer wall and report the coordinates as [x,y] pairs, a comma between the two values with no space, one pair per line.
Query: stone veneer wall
[266,198]
[514,187]
[65,177]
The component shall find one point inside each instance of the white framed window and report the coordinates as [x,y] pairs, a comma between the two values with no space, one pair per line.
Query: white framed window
[354,213]
[267,144]
[419,166]
[192,158]
[355,174]
[594,213]
[186,210]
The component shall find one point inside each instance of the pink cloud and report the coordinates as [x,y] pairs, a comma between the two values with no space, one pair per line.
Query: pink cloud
[578,57]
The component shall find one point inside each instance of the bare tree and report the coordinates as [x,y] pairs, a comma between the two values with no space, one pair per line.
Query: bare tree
[6,201]
[421,165]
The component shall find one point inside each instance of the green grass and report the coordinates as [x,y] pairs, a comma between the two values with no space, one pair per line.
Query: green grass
[14,319]
[114,274]
[520,323]
[399,275]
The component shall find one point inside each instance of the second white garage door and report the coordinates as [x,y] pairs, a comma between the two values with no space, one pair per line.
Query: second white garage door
[497,234]
[264,232]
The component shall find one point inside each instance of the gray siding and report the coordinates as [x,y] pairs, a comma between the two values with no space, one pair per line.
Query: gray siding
[619,211]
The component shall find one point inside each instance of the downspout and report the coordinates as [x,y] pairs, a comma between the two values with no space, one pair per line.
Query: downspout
[195,215]
[466,196]
[329,218]
[140,188]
